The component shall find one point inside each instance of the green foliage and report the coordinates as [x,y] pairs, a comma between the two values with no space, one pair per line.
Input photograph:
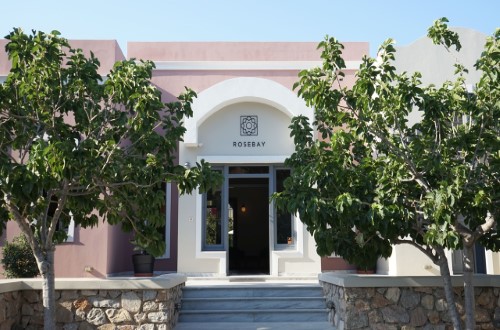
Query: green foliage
[213,229]
[76,146]
[18,260]
[372,179]
[440,35]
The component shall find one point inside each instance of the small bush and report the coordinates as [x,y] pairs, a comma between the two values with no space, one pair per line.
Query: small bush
[18,260]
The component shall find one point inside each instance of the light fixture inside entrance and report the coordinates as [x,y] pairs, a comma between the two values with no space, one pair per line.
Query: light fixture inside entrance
[243,208]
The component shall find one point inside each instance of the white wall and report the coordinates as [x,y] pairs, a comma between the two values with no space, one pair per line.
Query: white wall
[436,65]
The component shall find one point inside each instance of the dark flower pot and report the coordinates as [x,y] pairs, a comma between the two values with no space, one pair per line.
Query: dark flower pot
[365,271]
[144,264]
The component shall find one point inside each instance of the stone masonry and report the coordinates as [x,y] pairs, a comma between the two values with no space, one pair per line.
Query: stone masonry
[94,309]
[10,308]
[81,304]
[405,308]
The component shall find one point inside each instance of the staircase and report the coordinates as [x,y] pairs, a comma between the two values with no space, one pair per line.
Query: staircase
[253,306]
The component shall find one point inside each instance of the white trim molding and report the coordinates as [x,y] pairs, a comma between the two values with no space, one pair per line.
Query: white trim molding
[244,159]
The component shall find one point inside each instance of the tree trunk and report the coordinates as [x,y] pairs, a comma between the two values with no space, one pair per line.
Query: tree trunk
[468,261]
[46,266]
[448,289]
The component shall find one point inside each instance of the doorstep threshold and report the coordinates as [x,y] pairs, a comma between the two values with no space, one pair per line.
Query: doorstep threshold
[251,279]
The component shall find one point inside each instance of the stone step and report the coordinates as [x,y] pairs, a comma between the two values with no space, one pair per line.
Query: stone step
[249,315]
[255,326]
[222,291]
[252,303]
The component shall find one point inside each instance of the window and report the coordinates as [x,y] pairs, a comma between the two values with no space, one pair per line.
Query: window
[212,222]
[479,261]
[285,236]
[63,224]
[165,210]
[69,228]
[248,169]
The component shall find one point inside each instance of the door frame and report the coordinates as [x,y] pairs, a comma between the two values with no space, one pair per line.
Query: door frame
[275,253]
[225,203]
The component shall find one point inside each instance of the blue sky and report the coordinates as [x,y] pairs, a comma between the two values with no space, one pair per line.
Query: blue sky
[251,20]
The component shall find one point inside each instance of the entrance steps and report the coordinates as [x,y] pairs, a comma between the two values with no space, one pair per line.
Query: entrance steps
[253,306]
[254,326]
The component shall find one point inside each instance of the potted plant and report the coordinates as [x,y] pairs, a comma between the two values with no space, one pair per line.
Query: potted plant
[366,260]
[149,243]
[144,264]
[365,251]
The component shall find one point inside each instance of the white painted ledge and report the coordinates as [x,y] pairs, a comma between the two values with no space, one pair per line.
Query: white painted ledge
[377,281]
[120,283]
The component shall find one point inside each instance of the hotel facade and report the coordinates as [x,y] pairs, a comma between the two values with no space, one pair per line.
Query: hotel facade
[240,125]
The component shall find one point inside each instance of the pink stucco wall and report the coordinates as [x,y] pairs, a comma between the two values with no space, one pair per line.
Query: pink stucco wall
[237,51]
[104,249]
[172,82]
[107,51]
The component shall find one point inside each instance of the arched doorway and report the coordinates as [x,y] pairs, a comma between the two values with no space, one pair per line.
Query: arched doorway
[240,126]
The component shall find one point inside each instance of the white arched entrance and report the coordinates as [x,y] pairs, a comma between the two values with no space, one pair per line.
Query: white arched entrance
[241,122]
[239,90]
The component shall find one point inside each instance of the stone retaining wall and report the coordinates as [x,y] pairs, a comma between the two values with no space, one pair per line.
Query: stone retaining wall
[391,303]
[146,304]
[10,309]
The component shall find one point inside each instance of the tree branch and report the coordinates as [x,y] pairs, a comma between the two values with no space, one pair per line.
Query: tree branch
[24,226]
[488,224]
[401,154]
[55,218]
[427,250]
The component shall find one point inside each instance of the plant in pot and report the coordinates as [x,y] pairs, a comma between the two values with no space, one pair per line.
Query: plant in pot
[368,249]
[149,244]
[366,260]
[361,249]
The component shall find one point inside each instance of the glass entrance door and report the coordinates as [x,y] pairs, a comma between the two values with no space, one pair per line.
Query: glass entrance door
[239,218]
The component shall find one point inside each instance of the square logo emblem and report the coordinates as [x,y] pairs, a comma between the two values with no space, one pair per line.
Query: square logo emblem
[249,125]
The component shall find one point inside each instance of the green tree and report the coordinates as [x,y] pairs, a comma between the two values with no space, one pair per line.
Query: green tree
[371,180]
[78,147]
